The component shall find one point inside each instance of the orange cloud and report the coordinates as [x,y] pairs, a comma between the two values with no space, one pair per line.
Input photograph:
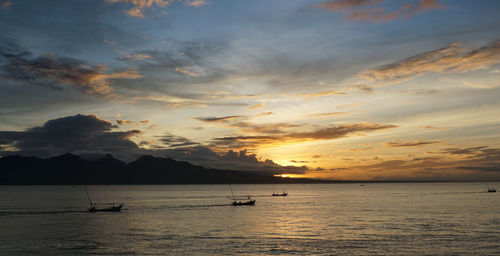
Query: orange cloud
[196,3]
[450,59]
[275,134]
[330,114]
[141,5]
[256,106]
[186,70]
[109,42]
[378,10]
[321,94]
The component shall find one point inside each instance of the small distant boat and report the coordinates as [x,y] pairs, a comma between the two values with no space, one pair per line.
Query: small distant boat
[279,194]
[492,190]
[93,205]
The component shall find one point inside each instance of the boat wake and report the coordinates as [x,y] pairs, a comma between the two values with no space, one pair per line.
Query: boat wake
[6,213]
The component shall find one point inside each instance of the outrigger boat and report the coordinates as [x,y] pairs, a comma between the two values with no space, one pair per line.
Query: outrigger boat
[238,202]
[248,202]
[113,208]
[93,206]
[279,194]
[492,190]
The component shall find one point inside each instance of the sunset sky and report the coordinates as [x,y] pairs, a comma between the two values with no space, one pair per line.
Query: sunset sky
[345,89]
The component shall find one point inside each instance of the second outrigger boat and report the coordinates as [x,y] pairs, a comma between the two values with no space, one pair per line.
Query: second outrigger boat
[279,194]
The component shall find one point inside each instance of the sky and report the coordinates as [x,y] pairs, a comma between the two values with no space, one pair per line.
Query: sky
[328,89]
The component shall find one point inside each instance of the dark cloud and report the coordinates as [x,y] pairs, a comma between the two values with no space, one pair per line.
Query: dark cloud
[73,134]
[174,141]
[409,144]
[123,122]
[217,119]
[492,168]
[88,135]
[464,151]
[57,72]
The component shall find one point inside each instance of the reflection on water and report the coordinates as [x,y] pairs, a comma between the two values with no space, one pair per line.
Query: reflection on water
[345,219]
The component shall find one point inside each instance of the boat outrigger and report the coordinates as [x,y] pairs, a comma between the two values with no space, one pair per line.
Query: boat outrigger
[93,205]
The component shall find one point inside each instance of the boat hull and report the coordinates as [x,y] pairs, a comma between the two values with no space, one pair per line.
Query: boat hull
[251,202]
[277,194]
[109,209]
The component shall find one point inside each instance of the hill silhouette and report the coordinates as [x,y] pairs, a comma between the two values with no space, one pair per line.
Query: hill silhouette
[69,169]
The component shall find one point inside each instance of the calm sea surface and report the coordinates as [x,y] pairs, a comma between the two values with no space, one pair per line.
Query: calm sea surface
[326,219]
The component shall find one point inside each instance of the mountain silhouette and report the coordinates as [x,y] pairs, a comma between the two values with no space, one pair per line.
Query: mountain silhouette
[70,169]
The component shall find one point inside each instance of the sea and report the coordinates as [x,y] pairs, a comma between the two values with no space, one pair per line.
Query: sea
[314,219]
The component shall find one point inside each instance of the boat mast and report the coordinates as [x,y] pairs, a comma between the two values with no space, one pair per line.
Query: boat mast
[232,192]
[88,196]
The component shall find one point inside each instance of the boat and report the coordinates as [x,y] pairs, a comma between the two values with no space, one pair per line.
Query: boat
[93,205]
[113,208]
[248,202]
[279,194]
[492,190]
[239,202]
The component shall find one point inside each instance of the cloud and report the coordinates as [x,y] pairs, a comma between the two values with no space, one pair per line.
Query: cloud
[5,4]
[186,70]
[417,143]
[433,127]
[196,3]
[140,6]
[472,163]
[143,122]
[109,42]
[450,59]
[136,57]
[329,114]
[464,151]
[378,10]
[217,119]
[123,122]
[72,134]
[276,134]
[174,141]
[256,106]
[57,72]
[91,135]
[320,94]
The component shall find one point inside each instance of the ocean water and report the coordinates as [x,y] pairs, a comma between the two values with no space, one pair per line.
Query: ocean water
[315,219]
